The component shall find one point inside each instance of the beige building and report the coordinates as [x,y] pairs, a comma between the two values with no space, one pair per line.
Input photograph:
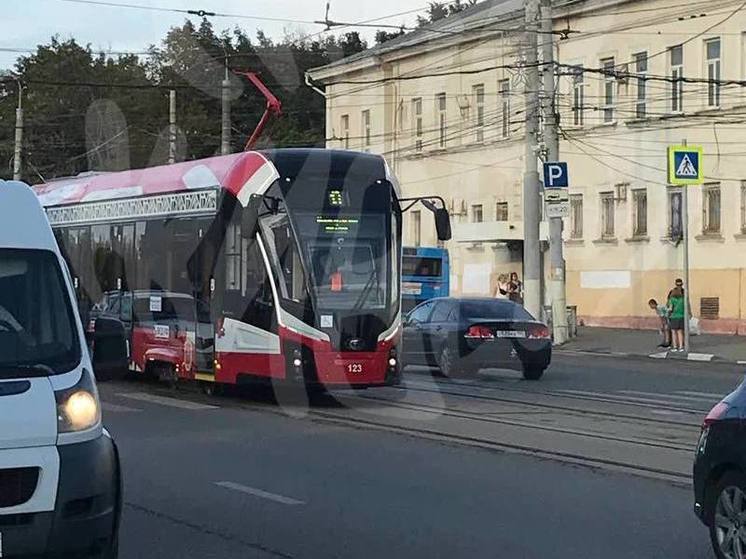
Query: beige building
[445,105]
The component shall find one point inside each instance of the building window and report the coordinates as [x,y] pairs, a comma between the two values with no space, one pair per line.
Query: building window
[417,123]
[607,215]
[676,63]
[442,122]
[608,84]
[711,209]
[576,216]
[578,96]
[345,126]
[639,213]
[476,213]
[713,72]
[641,68]
[366,129]
[743,207]
[675,215]
[478,91]
[504,87]
[501,211]
[417,227]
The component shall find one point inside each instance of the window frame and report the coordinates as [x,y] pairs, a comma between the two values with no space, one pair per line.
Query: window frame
[639,226]
[417,227]
[714,67]
[608,84]
[576,211]
[479,121]
[641,69]
[608,217]
[504,89]
[365,119]
[711,191]
[675,234]
[442,108]
[676,73]
[417,123]
[344,125]
[502,210]
[578,96]
[477,210]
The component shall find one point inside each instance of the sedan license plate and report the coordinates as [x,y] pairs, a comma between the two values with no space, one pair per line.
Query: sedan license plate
[510,334]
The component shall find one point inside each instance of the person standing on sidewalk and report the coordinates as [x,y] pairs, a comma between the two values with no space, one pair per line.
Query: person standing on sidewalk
[501,292]
[665,327]
[515,287]
[676,313]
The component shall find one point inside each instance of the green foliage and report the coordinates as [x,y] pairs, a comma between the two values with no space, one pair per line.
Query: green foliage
[87,111]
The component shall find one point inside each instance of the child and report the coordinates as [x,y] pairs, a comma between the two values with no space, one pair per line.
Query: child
[665,329]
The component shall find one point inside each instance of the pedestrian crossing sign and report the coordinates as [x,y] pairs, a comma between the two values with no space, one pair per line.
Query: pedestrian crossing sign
[685,165]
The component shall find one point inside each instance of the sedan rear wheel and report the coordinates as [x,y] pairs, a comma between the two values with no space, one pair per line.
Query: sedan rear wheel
[728,521]
[448,364]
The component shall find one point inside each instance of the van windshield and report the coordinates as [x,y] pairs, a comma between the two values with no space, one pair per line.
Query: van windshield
[37,326]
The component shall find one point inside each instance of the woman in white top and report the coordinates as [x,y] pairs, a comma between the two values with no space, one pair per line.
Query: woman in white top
[501,292]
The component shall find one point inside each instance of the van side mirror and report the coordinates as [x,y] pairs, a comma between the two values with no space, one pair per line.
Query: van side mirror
[110,353]
[442,224]
[250,217]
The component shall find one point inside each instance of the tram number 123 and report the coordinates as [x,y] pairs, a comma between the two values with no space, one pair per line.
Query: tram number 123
[356,368]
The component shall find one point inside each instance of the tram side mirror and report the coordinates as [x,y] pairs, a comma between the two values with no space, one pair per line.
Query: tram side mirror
[442,224]
[110,353]
[250,217]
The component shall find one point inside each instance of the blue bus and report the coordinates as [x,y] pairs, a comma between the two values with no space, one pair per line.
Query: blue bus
[425,274]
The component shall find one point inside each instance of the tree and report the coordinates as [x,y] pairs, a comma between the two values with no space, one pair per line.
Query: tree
[382,35]
[440,10]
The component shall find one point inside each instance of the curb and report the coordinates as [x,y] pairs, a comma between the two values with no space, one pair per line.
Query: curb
[694,356]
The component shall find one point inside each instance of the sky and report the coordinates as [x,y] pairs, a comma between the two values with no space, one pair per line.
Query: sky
[27,23]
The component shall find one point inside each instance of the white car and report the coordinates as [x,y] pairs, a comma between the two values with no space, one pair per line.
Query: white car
[60,481]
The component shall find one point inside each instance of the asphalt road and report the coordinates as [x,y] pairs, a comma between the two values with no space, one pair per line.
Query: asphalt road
[240,477]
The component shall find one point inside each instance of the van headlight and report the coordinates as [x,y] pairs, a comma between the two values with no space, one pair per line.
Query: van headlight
[78,408]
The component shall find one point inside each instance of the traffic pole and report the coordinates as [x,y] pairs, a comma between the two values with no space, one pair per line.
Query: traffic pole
[18,143]
[551,141]
[531,184]
[172,126]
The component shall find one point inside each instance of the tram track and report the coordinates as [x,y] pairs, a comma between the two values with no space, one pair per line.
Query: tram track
[342,416]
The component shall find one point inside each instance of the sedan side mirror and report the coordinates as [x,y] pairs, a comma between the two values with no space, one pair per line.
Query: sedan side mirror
[110,352]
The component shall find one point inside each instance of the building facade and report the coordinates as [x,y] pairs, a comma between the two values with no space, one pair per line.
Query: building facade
[445,105]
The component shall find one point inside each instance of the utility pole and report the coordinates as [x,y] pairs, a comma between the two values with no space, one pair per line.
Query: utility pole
[557,291]
[172,126]
[225,131]
[18,146]
[685,228]
[531,185]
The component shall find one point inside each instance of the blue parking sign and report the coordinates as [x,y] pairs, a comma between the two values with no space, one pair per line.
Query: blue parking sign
[555,175]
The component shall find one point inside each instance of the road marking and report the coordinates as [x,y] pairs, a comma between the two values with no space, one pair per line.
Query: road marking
[259,493]
[704,394]
[165,401]
[116,408]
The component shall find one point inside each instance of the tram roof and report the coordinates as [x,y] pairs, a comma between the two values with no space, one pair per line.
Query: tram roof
[242,174]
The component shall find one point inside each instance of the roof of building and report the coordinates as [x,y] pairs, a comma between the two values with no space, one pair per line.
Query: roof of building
[475,18]
[479,15]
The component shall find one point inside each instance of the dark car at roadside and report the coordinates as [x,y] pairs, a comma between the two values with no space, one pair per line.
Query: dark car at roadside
[463,335]
[720,475]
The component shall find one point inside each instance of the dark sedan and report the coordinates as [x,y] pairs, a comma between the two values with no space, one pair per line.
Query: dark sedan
[467,334]
[720,475]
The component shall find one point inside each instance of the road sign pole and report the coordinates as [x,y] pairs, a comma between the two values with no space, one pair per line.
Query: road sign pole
[685,227]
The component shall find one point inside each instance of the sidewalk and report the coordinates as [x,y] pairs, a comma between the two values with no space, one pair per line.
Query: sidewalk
[623,342]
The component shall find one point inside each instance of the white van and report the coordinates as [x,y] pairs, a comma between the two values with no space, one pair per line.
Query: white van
[60,482]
